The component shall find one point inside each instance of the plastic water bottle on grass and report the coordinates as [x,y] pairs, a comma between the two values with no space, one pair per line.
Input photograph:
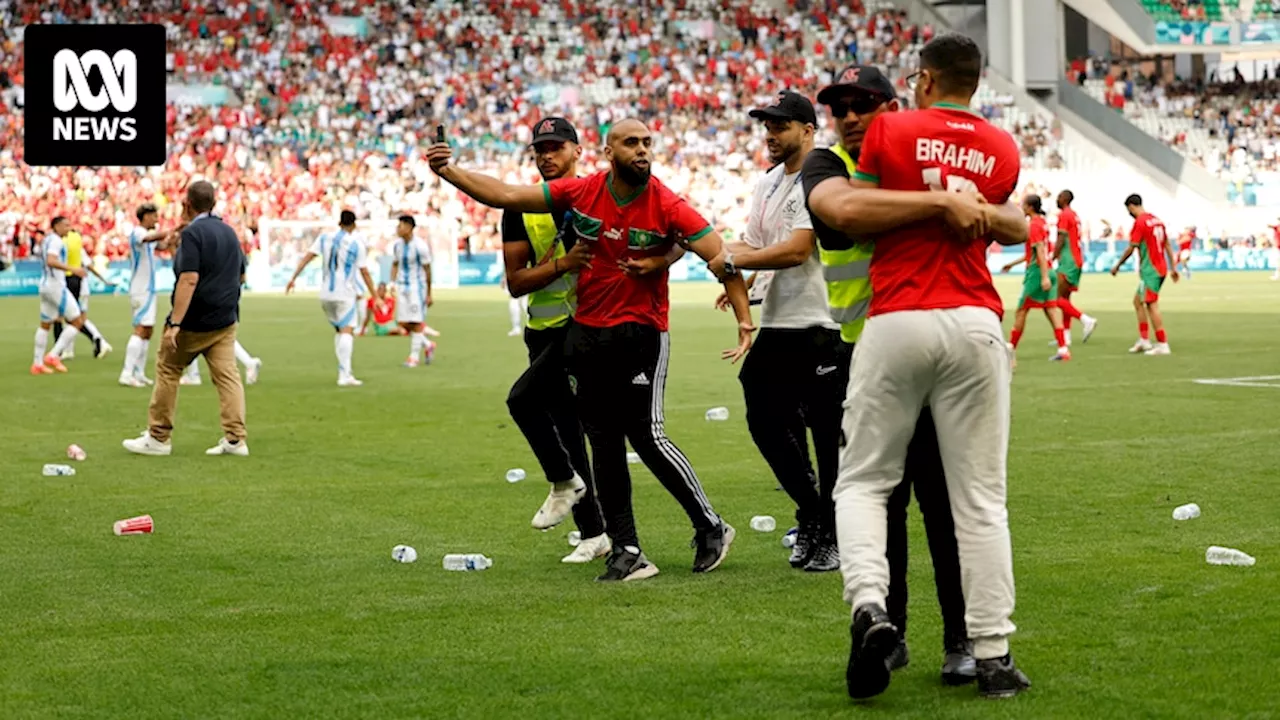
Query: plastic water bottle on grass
[515,475]
[1186,512]
[52,470]
[469,561]
[1228,556]
[763,523]
[718,414]
[789,540]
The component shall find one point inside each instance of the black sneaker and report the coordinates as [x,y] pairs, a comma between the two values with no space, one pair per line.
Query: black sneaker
[97,348]
[627,564]
[825,558]
[710,547]
[958,667]
[1000,678]
[899,658]
[802,551]
[874,639]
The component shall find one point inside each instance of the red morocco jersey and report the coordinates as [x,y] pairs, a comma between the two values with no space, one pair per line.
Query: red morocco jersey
[925,266]
[1069,222]
[643,225]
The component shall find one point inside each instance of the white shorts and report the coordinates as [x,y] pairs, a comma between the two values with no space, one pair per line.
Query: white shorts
[341,313]
[410,309]
[144,310]
[63,306]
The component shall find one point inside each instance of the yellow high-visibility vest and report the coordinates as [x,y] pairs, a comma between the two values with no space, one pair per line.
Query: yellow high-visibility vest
[553,305]
[848,276]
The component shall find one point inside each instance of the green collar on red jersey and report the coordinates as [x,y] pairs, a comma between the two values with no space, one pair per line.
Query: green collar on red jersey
[954,106]
[623,201]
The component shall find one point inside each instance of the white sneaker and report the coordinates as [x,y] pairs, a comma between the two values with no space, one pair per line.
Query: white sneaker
[515,332]
[251,371]
[104,348]
[147,445]
[588,550]
[1090,324]
[132,381]
[559,503]
[1159,349]
[1140,347]
[68,354]
[225,447]
[430,331]
[349,381]
[144,379]
[190,380]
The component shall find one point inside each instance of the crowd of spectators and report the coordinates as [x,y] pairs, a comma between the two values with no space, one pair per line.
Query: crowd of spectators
[335,101]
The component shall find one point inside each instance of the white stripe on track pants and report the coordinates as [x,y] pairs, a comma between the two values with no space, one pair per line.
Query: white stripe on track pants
[955,361]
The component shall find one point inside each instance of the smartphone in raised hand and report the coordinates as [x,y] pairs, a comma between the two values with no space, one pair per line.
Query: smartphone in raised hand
[439,134]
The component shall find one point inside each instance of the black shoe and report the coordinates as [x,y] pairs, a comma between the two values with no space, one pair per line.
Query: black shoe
[97,348]
[874,639]
[958,667]
[710,547]
[1000,678]
[627,564]
[803,549]
[899,658]
[825,558]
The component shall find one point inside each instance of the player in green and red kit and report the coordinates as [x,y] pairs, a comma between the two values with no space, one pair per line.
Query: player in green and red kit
[1039,286]
[382,311]
[618,348]
[1155,258]
[1070,258]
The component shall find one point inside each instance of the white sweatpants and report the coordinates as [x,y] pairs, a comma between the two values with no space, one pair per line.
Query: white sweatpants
[955,361]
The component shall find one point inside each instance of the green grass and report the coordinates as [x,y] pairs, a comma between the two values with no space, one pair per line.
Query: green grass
[268,589]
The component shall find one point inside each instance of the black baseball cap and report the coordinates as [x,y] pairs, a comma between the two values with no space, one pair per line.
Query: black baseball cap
[554,128]
[865,79]
[789,105]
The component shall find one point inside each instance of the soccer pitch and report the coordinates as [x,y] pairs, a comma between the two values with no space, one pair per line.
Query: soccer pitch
[268,589]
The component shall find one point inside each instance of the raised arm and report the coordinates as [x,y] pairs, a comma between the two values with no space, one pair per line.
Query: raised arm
[488,190]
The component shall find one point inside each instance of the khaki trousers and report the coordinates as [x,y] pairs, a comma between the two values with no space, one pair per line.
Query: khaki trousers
[956,362]
[219,350]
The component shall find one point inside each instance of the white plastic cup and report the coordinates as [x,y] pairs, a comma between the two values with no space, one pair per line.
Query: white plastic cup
[763,523]
[515,475]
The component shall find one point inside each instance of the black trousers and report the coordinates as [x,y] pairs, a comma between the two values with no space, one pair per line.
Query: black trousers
[923,471]
[621,375]
[793,381]
[542,405]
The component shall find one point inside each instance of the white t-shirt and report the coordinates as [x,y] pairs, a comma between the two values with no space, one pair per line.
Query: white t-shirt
[796,297]
[343,255]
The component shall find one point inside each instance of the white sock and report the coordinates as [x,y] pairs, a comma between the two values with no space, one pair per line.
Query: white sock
[362,310]
[416,343]
[243,355]
[132,356]
[193,370]
[1066,336]
[513,308]
[66,339]
[42,343]
[144,348]
[93,329]
[345,345]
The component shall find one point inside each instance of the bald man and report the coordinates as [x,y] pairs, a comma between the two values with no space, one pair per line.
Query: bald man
[617,348]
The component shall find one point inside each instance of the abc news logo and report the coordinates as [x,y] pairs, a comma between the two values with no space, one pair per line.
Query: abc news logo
[95,95]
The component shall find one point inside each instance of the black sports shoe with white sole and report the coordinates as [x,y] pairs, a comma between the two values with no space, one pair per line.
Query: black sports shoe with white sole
[803,549]
[1000,678]
[627,564]
[874,638]
[711,546]
[825,557]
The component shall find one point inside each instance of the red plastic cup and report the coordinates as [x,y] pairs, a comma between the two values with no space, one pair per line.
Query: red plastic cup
[141,525]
